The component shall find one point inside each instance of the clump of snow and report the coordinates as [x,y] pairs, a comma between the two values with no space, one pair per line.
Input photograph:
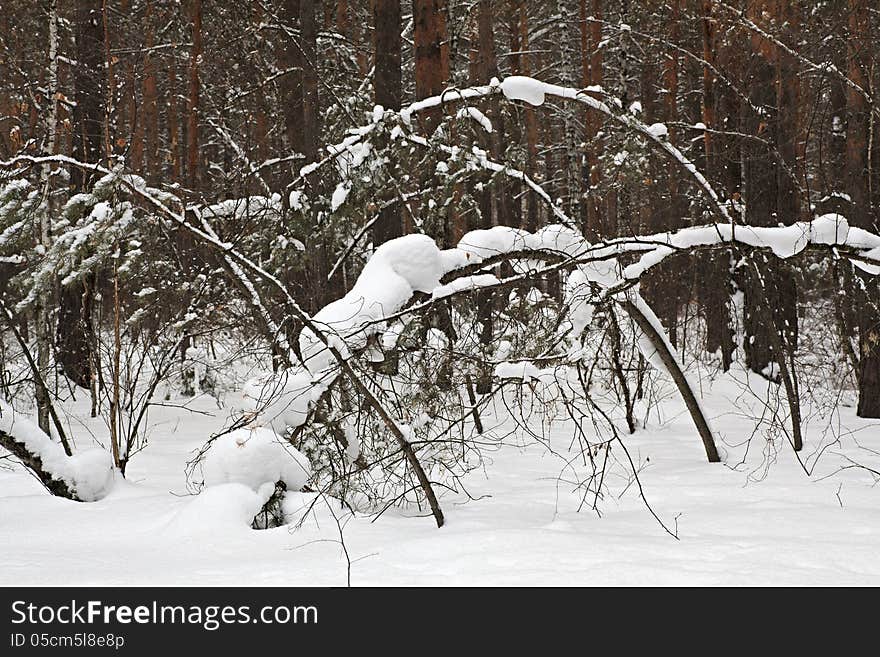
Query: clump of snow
[89,473]
[280,401]
[296,200]
[464,283]
[658,130]
[830,228]
[476,115]
[398,268]
[578,294]
[254,457]
[520,87]
[478,245]
[524,370]
[339,195]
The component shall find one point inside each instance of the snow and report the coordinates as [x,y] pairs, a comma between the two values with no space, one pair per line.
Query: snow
[226,508]
[398,268]
[577,295]
[737,525]
[519,87]
[88,473]
[658,130]
[478,245]
[279,401]
[464,283]
[476,115]
[339,195]
[254,457]
[525,371]
[783,241]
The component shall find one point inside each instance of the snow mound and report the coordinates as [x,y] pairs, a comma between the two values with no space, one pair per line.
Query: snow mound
[89,473]
[223,507]
[254,457]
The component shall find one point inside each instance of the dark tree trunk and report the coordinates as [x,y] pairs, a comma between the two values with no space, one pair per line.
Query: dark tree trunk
[431,66]
[193,172]
[600,218]
[859,51]
[770,303]
[291,83]
[74,317]
[317,256]
[388,88]
[714,267]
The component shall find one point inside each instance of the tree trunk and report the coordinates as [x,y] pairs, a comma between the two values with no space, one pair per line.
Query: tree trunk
[150,113]
[193,170]
[44,317]
[388,88]
[599,217]
[859,49]
[492,199]
[431,67]
[74,317]
[774,288]
[714,267]
[532,202]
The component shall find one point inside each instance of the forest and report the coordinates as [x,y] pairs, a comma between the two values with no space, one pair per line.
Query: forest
[324,276]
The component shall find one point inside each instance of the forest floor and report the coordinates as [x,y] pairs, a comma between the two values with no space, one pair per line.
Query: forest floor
[758,518]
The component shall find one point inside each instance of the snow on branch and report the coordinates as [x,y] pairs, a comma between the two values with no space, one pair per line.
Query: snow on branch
[85,476]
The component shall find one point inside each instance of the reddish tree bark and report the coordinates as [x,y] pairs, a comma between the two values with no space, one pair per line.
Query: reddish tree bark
[193,171]
[431,58]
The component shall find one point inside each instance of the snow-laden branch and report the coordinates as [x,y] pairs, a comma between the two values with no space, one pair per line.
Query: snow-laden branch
[533,91]
[400,268]
[827,231]
[331,359]
[85,476]
[354,149]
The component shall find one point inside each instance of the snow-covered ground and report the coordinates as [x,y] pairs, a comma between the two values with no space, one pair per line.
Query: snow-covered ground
[737,522]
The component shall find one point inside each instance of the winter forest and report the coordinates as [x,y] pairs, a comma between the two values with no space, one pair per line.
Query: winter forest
[316,292]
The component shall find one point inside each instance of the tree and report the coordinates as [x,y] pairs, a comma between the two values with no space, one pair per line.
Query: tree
[859,54]
[388,90]
[431,55]
[770,289]
[75,312]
